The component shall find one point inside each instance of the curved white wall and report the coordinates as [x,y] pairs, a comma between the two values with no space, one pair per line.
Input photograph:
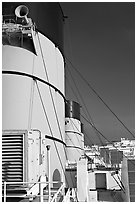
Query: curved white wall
[21,104]
[74,139]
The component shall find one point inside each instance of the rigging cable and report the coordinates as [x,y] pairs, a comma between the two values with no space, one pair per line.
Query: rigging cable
[31,96]
[89,116]
[77,129]
[50,90]
[103,136]
[83,110]
[51,94]
[69,40]
[45,113]
[99,97]
[94,125]
[121,186]
[92,122]
[53,136]
[53,101]
[121,182]
[90,119]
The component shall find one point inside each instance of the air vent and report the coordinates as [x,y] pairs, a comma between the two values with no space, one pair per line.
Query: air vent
[12,158]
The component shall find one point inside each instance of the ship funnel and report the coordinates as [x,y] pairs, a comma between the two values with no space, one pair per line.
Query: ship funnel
[22,12]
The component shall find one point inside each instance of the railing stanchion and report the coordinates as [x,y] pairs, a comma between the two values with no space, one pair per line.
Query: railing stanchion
[48,165]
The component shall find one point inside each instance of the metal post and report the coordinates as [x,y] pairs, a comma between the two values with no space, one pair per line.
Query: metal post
[110,158]
[4,191]
[41,188]
[48,167]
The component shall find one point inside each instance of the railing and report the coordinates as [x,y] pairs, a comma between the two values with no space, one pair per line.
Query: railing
[13,24]
[26,195]
[34,190]
[71,195]
[60,191]
[67,196]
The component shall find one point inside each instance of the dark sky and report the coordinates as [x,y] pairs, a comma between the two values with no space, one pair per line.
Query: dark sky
[99,41]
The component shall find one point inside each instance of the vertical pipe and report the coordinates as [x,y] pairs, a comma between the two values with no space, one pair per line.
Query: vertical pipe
[110,158]
[41,189]
[4,191]
[48,167]
[62,182]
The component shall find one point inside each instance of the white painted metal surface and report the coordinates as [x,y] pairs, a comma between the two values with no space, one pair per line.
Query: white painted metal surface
[74,139]
[82,181]
[20,94]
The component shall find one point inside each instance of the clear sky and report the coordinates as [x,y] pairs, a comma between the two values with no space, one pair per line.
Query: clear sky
[99,41]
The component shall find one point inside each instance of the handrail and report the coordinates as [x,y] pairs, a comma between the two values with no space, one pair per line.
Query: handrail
[5,183]
[70,196]
[67,196]
[27,182]
[59,190]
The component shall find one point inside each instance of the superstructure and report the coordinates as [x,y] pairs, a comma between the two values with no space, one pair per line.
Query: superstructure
[43,157]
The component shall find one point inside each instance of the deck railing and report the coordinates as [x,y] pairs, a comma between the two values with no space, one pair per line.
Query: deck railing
[67,196]
[60,191]
[40,185]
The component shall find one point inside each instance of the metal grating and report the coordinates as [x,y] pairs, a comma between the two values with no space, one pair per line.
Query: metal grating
[12,158]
